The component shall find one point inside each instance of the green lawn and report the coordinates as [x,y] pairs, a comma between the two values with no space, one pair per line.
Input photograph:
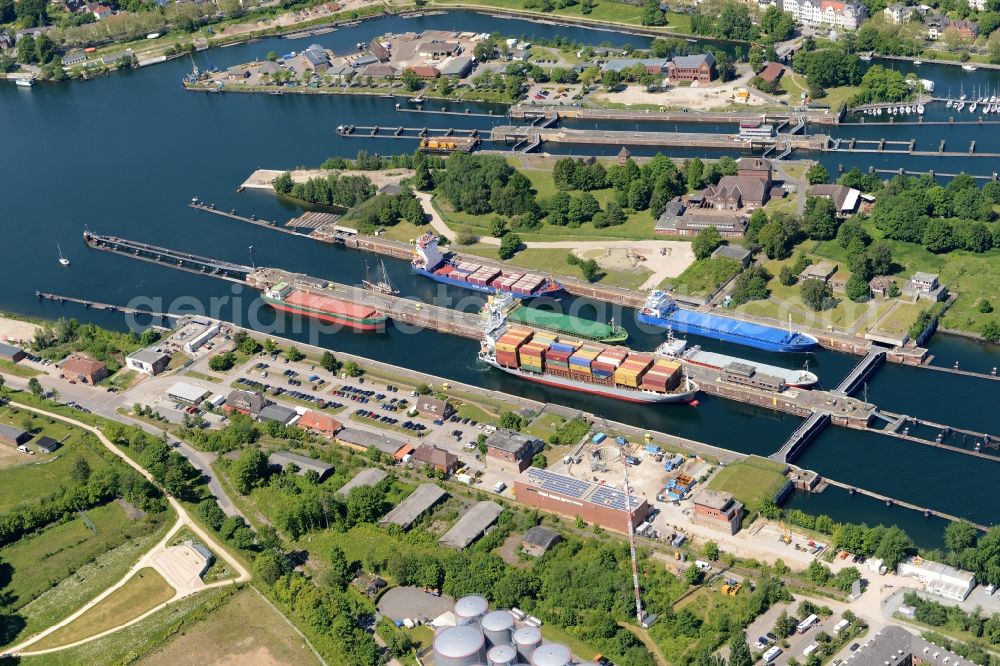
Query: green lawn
[16,369]
[972,276]
[544,426]
[707,604]
[194,374]
[123,379]
[704,276]
[41,561]
[603,11]
[901,317]
[470,411]
[750,481]
[93,577]
[553,261]
[144,591]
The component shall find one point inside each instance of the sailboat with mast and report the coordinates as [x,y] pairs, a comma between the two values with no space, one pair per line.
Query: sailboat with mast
[380,282]
[62,260]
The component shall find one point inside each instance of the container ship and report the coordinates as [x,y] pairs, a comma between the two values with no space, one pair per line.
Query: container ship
[677,348]
[661,310]
[429,261]
[308,303]
[557,322]
[613,372]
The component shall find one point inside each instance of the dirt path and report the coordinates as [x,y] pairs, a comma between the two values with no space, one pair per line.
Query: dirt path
[647,641]
[152,558]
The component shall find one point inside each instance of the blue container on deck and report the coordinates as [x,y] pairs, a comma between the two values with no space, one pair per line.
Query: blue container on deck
[559,346]
[598,438]
[652,449]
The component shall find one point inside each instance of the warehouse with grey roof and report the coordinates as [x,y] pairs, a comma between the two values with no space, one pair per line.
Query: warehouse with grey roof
[472,525]
[366,477]
[409,510]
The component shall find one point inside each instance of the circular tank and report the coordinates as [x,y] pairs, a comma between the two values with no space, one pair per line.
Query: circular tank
[469,609]
[551,654]
[498,627]
[502,655]
[459,646]
[526,639]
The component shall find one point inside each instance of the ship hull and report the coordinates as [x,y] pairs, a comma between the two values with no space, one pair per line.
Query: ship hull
[363,325]
[678,326]
[483,289]
[637,396]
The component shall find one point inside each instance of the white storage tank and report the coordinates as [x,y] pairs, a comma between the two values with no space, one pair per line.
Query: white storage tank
[459,646]
[498,627]
[502,655]
[526,639]
[468,610]
[551,654]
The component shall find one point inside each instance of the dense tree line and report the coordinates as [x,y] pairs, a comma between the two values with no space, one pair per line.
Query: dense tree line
[479,184]
[386,210]
[883,84]
[331,190]
[891,544]
[68,335]
[983,627]
[827,68]
[170,469]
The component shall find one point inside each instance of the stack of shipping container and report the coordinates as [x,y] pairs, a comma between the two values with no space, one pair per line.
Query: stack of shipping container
[630,372]
[509,344]
[664,376]
[557,357]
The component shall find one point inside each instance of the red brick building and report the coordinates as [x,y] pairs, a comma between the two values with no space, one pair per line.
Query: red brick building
[439,459]
[319,423]
[699,68]
[718,511]
[572,498]
[513,447]
[82,369]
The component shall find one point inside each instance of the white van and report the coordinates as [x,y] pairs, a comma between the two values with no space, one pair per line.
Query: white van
[704,566]
[771,654]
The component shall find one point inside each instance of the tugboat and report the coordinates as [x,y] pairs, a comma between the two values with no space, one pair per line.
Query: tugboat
[381,284]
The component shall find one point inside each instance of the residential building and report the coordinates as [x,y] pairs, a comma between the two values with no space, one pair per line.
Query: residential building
[938,578]
[700,68]
[188,394]
[148,361]
[319,423]
[718,510]
[925,286]
[99,11]
[678,220]
[513,447]
[754,167]
[537,541]
[432,407]
[245,402]
[895,646]
[282,459]
[821,270]
[438,458]
[571,497]
[83,369]
[736,252]
[880,285]
[898,12]
[846,15]
[6,41]
[11,353]
[46,444]
[977,5]
[12,435]
[845,199]
[736,193]
[938,24]
[623,156]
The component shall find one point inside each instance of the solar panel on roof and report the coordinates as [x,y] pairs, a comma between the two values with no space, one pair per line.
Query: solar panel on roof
[564,485]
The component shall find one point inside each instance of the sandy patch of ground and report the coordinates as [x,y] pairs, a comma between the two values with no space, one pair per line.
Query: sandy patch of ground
[262,178]
[259,656]
[11,457]
[692,97]
[665,258]
[13,329]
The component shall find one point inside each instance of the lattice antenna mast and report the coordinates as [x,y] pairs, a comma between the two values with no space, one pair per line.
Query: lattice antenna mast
[631,537]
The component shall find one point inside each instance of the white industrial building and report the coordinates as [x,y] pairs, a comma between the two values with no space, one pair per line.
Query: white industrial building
[940,579]
[148,361]
[197,341]
[188,394]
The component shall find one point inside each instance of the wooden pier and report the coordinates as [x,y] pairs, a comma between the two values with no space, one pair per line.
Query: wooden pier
[232,215]
[184,261]
[96,305]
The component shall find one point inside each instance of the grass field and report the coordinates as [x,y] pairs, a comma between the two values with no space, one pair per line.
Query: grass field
[39,562]
[133,642]
[544,426]
[707,604]
[553,261]
[470,411]
[90,579]
[246,629]
[704,276]
[31,477]
[194,374]
[144,591]
[750,481]
[603,11]
[16,369]
[900,319]
[972,276]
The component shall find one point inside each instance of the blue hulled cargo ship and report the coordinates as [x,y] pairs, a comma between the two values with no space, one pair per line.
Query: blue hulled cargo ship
[430,262]
[661,310]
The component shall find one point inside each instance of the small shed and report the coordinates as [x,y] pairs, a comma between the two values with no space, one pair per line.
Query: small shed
[12,435]
[538,540]
[740,254]
[46,444]
[282,459]
[10,352]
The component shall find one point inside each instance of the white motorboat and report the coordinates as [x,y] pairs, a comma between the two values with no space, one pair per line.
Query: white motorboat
[920,109]
[969,68]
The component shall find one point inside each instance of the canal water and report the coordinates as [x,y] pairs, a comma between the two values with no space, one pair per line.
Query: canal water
[124,154]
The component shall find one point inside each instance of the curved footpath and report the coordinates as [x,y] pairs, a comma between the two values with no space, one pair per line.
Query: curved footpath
[148,560]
